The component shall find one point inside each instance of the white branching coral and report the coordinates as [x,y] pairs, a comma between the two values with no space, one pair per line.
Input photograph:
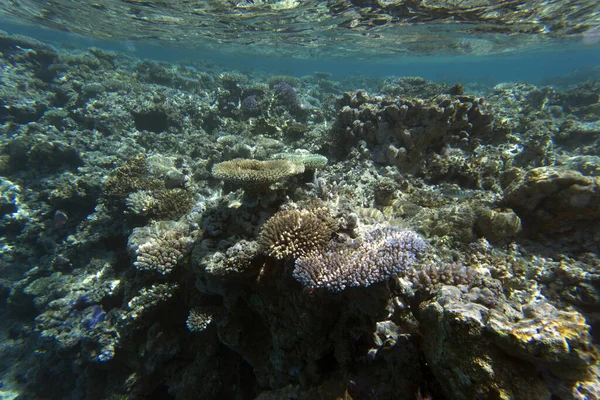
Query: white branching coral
[201,318]
[150,297]
[376,257]
[161,254]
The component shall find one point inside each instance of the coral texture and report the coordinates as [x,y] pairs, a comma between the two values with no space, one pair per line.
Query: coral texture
[376,257]
[294,233]
[311,161]
[162,254]
[254,173]
[200,318]
[148,298]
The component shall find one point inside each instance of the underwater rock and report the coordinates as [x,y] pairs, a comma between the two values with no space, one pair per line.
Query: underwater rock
[457,336]
[399,130]
[553,199]
[498,225]
[558,341]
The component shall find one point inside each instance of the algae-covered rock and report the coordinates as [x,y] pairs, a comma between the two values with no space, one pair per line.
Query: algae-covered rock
[498,225]
[559,341]
[503,353]
[554,199]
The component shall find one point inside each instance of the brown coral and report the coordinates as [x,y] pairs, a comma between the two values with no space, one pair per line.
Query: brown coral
[254,173]
[293,233]
[130,177]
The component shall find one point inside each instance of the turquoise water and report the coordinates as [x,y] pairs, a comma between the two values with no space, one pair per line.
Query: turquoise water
[299,199]
[557,58]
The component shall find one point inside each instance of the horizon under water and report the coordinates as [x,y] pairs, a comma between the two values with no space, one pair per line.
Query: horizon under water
[260,199]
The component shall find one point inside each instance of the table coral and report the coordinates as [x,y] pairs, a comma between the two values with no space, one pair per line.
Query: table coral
[254,173]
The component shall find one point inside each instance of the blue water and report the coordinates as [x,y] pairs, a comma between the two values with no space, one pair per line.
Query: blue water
[564,59]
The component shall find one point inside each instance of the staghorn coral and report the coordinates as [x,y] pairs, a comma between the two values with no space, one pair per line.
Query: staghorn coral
[148,298]
[379,255]
[236,261]
[161,204]
[250,174]
[163,253]
[250,105]
[200,318]
[294,233]
[286,94]
[173,203]
[430,277]
[128,178]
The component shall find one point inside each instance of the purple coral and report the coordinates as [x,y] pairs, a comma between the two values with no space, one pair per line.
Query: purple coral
[286,94]
[378,256]
[250,104]
[97,316]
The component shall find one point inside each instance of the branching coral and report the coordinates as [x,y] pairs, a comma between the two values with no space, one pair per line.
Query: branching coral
[254,173]
[128,178]
[162,254]
[200,318]
[293,233]
[378,256]
[149,298]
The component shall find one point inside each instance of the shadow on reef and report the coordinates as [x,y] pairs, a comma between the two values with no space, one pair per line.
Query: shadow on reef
[189,232]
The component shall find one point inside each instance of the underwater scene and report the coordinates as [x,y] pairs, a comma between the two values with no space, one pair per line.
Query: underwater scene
[299,200]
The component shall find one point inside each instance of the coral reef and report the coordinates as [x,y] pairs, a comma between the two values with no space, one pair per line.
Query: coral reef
[554,199]
[148,298]
[407,240]
[509,329]
[399,131]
